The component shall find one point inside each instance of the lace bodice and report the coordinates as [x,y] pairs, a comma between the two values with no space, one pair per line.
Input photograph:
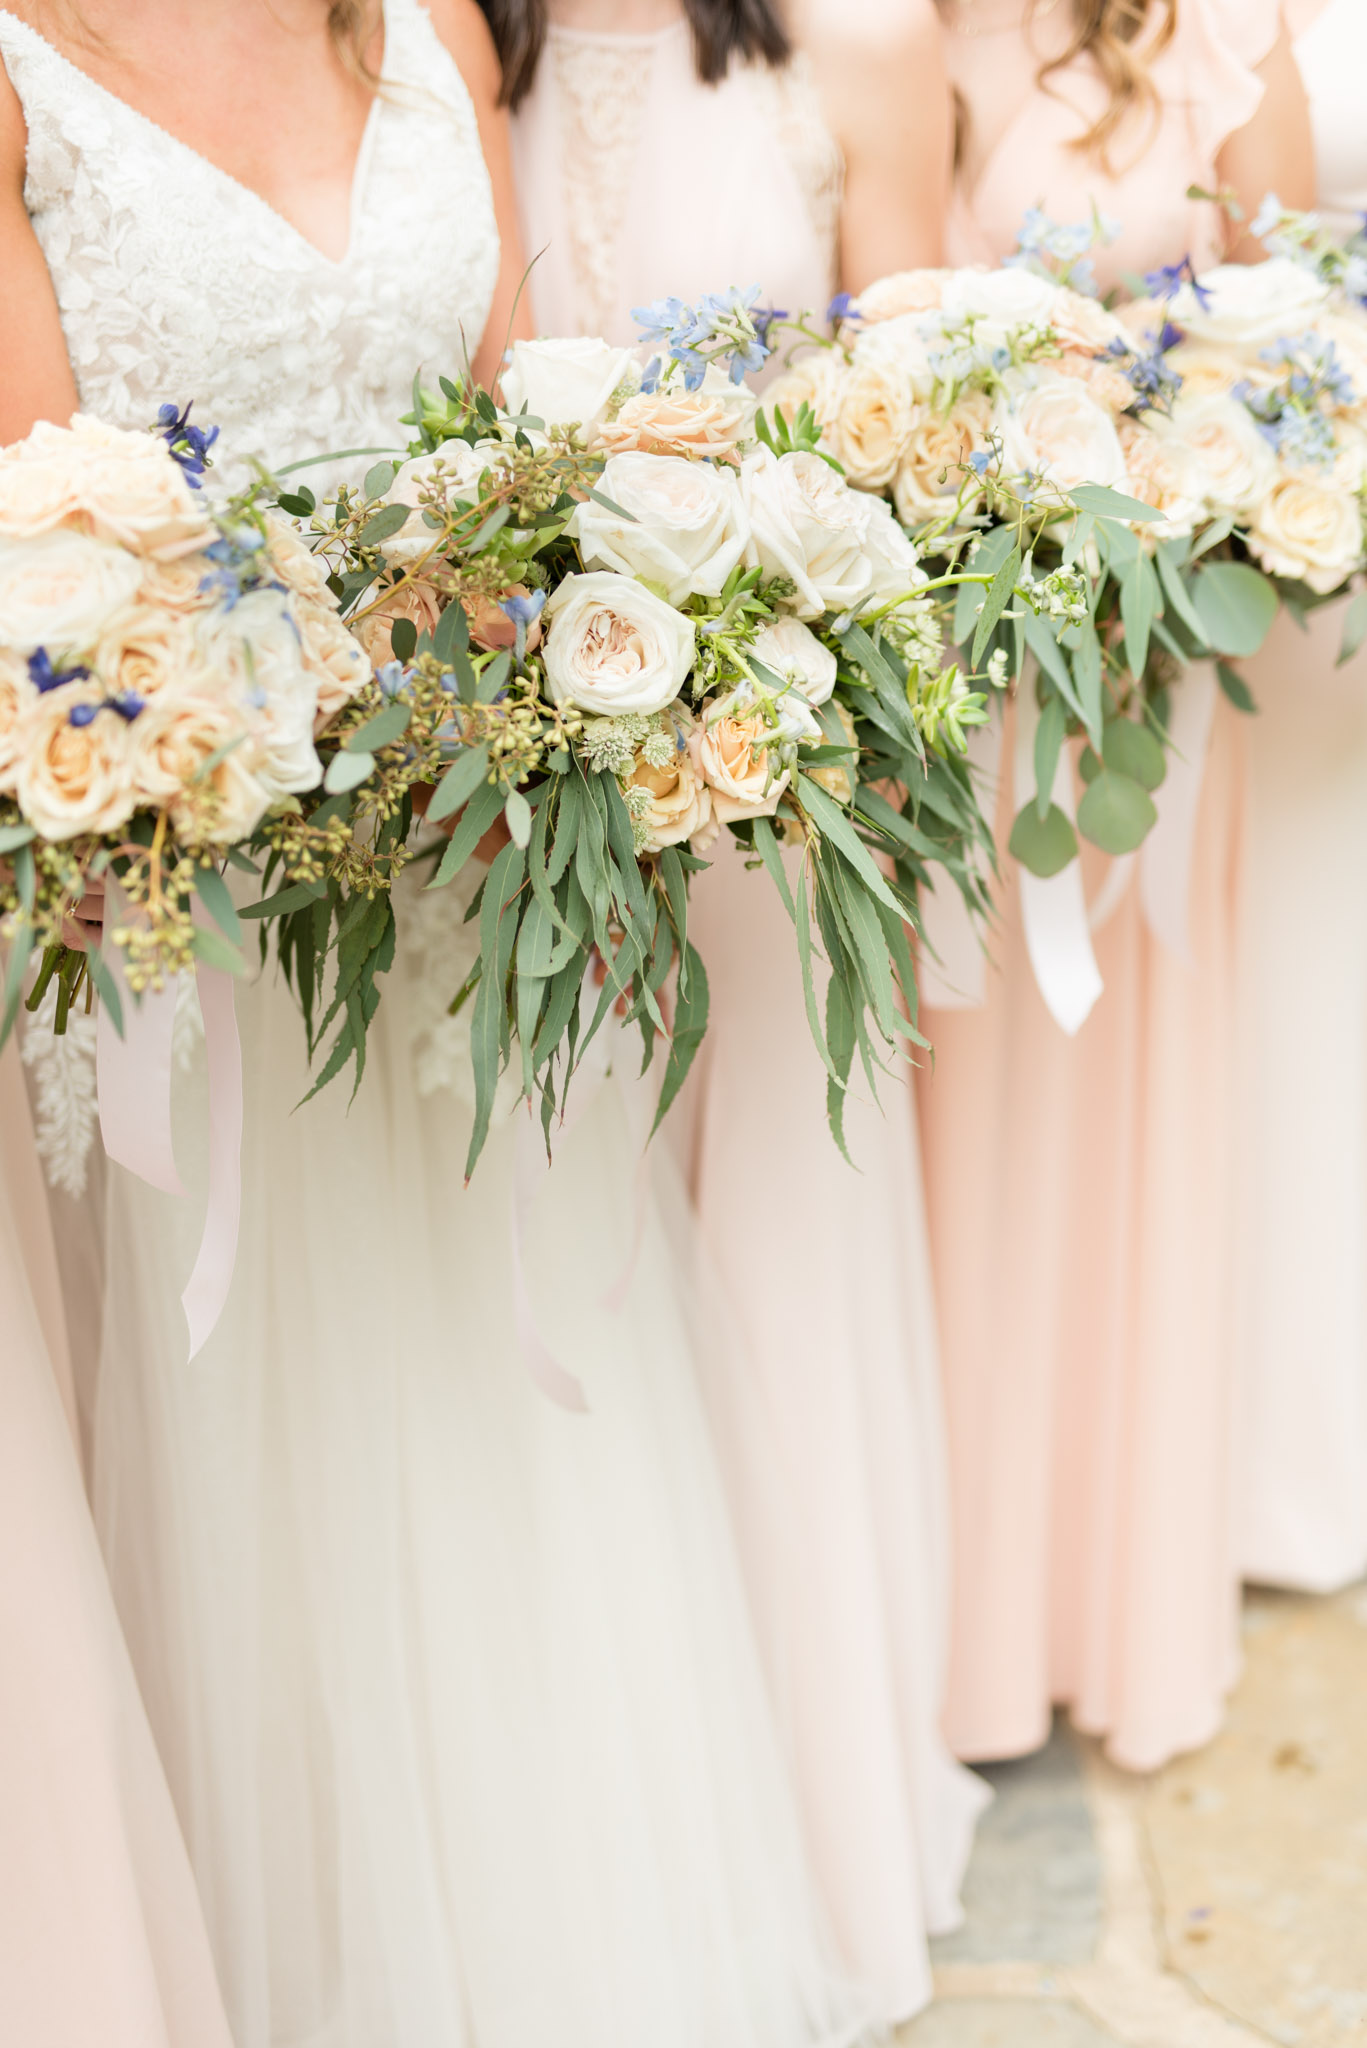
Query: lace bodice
[637,181]
[176,282]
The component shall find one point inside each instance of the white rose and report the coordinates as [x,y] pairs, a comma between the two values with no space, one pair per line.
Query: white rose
[72,779]
[1251,304]
[452,471]
[1055,427]
[1309,527]
[1238,465]
[612,646]
[894,563]
[793,652]
[256,652]
[806,524]
[565,381]
[908,341]
[1000,302]
[873,421]
[1165,474]
[687,530]
[58,590]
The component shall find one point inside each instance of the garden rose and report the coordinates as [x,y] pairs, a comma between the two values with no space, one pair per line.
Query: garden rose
[806,524]
[793,652]
[1000,302]
[453,471]
[35,494]
[16,694]
[906,291]
[930,474]
[687,529]
[1084,324]
[1052,425]
[72,779]
[1164,474]
[144,650]
[696,423]
[680,801]
[295,563]
[1206,372]
[1238,466]
[1251,304]
[272,693]
[136,495]
[334,658]
[731,758]
[816,380]
[873,422]
[59,590]
[567,382]
[612,646]
[171,741]
[176,586]
[909,342]
[417,600]
[1310,527]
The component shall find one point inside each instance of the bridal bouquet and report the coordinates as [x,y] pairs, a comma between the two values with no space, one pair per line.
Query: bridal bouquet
[162,677]
[612,617]
[1023,429]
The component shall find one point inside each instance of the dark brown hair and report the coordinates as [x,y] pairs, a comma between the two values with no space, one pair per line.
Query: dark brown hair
[722,29]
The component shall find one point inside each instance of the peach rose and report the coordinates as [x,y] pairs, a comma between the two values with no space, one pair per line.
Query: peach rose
[72,779]
[144,650]
[1108,385]
[697,423]
[731,757]
[59,589]
[333,657]
[418,601]
[930,475]
[1084,324]
[680,801]
[1053,426]
[134,493]
[907,291]
[294,562]
[1309,527]
[1164,474]
[873,422]
[172,740]
[176,586]
[492,629]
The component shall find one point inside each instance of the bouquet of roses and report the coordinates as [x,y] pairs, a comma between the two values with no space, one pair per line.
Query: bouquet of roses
[611,616]
[162,676]
[1021,427]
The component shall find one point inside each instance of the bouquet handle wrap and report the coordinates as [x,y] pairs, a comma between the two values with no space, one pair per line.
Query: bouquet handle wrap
[133,1078]
[1058,933]
[1165,859]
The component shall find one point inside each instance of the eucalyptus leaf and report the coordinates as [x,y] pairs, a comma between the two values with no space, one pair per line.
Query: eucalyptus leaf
[1116,813]
[1104,503]
[214,950]
[1236,604]
[999,594]
[1354,628]
[517,814]
[381,730]
[1043,845]
[1048,746]
[1131,749]
[12,836]
[217,900]
[690,1026]
[459,783]
[348,771]
[391,519]
[378,478]
[1235,688]
[840,1037]
[403,639]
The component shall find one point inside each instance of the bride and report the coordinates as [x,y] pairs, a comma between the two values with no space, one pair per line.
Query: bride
[455,1690]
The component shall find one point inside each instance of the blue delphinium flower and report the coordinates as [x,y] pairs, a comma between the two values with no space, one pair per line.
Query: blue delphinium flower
[1167,281]
[1156,383]
[44,676]
[842,307]
[721,328]
[240,564]
[1062,251]
[765,318]
[82,714]
[1290,414]
[524,612]
[128,704]
[189,445]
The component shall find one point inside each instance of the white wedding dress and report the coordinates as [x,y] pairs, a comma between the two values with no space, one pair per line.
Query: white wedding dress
[1301,1467]
[456,1690]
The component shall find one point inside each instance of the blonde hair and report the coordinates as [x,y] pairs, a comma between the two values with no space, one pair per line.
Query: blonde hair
[351,24]
[1107,31]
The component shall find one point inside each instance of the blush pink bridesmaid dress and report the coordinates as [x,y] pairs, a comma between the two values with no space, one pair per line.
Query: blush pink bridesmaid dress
[831,1438]
[101,1938]
[1079,1190]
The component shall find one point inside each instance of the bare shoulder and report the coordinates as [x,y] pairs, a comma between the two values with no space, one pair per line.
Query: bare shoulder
[13,137]
[873,36]
[465,32]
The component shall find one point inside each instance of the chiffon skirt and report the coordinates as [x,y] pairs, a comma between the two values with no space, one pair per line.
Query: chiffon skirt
[832,1436]
[1081,1203]
[457,1689]
[101,1939]
[1302,1296]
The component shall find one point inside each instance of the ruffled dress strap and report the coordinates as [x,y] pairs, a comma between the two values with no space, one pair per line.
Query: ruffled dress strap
[1211,65]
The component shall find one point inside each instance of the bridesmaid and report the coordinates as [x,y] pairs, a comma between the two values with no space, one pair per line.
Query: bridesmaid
[1088,1385]
[1302,1296]
[101,1935]
[832,1438]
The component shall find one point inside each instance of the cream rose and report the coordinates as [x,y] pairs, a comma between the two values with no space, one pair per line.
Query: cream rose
[1109,386]
[172,743]
[612,646]
[417,601]
[793,652]
[176,586]
[806,524]
[429,483]
[144,650]
[334,658]
[1084,323]
[680,801]
[1052,425]
[1000,303]
[567,382]
[137,497]
[16,695]
[1164,474]
[816,380]
[692,423]
[873,422]
[257,652]
[1238,465]
[35,494]
[1309,527]
[687,530]
[930,474]
[1206,372]
[59,590]
[910,343]
[1251,304]
[72,779]
[730,756]
[906,291]
[294,562]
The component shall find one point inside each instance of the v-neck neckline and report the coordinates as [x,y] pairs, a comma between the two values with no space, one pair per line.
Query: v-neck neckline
[359,175]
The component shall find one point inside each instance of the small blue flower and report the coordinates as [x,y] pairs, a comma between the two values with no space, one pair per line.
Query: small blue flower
[44,676]
[1268,217]
[83,714]
[523,611]
[980,462]
[391,678]
[189,445]
[128,704]
[766,317]
[1167,281]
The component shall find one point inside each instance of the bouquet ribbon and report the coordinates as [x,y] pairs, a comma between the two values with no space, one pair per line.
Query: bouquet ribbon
[133,1076]
[1057,918]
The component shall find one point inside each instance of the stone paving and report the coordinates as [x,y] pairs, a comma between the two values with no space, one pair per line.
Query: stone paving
[1221,1903]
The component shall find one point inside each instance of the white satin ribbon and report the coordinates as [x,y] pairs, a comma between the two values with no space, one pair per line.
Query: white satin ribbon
[133,1082]
[1166,855]
[953,962]
[1054,908]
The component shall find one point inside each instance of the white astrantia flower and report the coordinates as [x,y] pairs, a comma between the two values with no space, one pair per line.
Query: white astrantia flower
[687,528]
[613,646]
